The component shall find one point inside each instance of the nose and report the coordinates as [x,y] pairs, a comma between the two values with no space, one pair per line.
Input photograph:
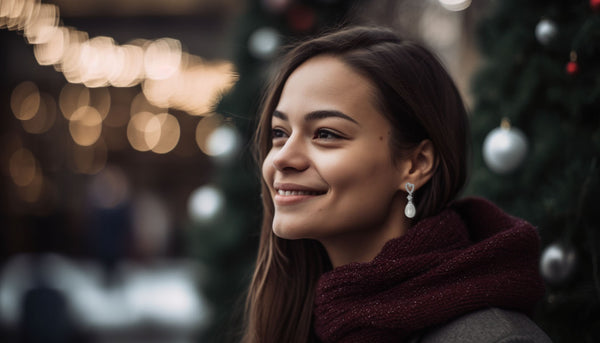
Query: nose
[292,156]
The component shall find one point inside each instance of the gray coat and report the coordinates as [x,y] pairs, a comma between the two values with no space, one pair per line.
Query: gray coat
[483,326]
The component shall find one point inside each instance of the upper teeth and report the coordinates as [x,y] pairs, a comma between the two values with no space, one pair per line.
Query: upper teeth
[282,192]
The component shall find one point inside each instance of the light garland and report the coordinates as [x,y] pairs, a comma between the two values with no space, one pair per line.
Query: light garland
[171,78]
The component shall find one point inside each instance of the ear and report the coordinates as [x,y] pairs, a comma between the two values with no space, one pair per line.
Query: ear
[419,166]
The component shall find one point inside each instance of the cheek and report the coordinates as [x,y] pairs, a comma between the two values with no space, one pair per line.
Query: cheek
[356,168]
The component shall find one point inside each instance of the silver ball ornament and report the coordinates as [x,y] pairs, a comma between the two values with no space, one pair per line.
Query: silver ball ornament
[545,31]
[504,148]
[557,263]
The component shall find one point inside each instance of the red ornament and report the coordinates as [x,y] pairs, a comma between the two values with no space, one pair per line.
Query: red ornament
[595,5]
[572,68]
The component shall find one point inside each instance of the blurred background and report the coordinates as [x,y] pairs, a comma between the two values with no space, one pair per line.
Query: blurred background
[129,203]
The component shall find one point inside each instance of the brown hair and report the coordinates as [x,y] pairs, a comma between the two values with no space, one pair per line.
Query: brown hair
[420,100]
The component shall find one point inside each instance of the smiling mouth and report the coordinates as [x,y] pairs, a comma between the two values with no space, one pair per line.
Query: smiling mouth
[290,192]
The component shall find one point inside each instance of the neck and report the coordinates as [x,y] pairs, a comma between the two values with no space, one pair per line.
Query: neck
[364,245]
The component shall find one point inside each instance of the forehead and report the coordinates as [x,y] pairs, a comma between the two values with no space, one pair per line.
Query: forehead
[326,82]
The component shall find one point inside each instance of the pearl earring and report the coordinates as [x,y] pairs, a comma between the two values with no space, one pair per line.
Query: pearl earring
[410,210]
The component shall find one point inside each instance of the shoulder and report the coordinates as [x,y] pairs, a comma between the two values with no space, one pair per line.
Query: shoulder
[487,325]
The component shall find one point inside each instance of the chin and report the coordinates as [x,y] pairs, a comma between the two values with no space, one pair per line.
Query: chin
[288,232]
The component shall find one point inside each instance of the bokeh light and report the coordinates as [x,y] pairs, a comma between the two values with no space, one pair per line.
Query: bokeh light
[97,61]
[129,66]
[204,129]
[440,29]
[223,141]
[204,86]
[205,203]
[152,131]
[71,62]
[164,293]
[141,104]
[25,100]
[159,92]
[171,78]
[42,23]
[264,42]
[137,131]
[22,166]
[100,100]
[162,59]
[26,173]
[52,51]
[14,15]
[85,125]
[165,298]
[195,89]
[168,133]
[9,143]
[44,118]
[73,97]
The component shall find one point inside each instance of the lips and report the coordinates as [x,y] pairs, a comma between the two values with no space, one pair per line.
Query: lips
[296,189]
[288,194]
[282,192]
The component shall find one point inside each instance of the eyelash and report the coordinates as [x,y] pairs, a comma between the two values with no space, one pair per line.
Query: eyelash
[330,133]
[323,134]
[277,133]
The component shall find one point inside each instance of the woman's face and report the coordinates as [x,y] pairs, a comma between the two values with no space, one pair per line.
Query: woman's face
[330,170]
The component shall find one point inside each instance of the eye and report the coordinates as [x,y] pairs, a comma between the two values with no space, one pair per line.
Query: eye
[326,134]
[278,133]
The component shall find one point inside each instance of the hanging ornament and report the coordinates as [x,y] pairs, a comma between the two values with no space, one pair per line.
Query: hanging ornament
[572,66]
[301,18]
[263,43]
[557,263]
[595,5]
[545,31]
[504,148]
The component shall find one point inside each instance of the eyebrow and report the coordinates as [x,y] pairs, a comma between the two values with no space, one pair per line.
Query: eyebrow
[316,115]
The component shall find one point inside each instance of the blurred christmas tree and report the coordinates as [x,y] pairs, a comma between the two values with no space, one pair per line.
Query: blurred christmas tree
[542,76]
[227,242]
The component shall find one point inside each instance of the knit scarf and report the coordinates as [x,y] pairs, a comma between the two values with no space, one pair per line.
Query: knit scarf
[470,256]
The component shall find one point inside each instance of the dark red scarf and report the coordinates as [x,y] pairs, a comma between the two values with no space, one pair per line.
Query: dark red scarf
[470,256]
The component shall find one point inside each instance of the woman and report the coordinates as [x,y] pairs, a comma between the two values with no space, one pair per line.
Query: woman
[363,143]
